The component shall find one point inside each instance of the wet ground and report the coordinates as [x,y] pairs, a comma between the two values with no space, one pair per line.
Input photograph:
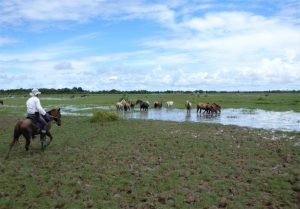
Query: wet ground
[286,121]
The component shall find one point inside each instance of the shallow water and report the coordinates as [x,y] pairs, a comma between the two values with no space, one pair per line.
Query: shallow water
[286,121]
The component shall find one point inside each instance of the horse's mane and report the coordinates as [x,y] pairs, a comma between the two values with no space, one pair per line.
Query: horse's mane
[58,109]
[50,111]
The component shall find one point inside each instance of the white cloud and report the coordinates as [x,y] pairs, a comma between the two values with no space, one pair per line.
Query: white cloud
[63,66]
[215,50]
[113,78]
[84,10]
[7,41]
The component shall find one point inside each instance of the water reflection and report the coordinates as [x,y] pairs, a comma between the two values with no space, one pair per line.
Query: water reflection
[287,121]
[188,116]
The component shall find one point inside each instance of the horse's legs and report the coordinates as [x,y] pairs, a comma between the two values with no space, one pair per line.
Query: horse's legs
[27,135]
[50,136]
[27,143]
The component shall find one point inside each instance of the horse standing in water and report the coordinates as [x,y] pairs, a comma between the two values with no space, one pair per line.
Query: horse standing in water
[27,128]
[170,104]
[158,104]
[143,105]
[188,106]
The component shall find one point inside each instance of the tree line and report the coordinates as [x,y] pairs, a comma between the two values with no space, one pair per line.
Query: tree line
[80,90]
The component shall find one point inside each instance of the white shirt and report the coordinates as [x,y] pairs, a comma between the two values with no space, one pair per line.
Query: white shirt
[33,105]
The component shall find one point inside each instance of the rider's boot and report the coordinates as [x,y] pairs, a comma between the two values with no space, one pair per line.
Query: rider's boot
[43,135]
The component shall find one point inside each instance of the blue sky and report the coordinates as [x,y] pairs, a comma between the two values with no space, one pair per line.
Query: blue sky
[152,45]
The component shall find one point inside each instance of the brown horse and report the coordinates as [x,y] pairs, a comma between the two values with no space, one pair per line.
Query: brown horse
[1,102]
[157,104]
[215,108]
[209,108]
[26,128]
[203,106]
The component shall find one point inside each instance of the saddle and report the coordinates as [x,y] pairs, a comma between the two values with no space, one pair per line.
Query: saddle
[35,122]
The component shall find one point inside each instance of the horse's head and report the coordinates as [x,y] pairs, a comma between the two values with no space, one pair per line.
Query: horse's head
[56,114]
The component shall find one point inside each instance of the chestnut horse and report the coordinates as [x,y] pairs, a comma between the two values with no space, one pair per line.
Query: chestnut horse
[215,108]
[203,106]
[26,128]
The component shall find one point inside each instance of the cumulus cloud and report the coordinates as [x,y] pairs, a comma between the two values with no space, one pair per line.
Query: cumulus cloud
[199,46]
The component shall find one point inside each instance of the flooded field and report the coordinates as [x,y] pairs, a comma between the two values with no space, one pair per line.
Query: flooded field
[286,121]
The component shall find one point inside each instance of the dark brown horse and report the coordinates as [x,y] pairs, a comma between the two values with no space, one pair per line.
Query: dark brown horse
[26,128]
[158,104]
[1,102]
[144,106]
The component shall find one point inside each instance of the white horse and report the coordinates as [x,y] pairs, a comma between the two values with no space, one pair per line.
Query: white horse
[119,106]
[170,104]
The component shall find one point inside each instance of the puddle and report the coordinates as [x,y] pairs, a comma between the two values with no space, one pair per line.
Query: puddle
[76,114]
[74,108]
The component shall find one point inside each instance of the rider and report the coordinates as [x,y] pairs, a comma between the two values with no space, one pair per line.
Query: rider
[36,112]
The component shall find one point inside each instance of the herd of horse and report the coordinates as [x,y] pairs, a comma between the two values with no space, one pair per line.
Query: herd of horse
[206,107]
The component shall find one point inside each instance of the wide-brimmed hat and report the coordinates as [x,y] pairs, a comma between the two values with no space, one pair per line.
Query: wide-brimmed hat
[35,92]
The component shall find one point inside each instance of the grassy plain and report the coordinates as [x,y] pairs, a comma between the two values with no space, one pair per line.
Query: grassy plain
[265,101]
[151,164]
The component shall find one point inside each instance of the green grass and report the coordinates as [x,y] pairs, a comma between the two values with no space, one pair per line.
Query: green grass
[150,164]
[102,116]
[270,101]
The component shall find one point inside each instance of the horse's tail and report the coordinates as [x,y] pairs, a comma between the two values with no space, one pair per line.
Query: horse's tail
[17,130]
